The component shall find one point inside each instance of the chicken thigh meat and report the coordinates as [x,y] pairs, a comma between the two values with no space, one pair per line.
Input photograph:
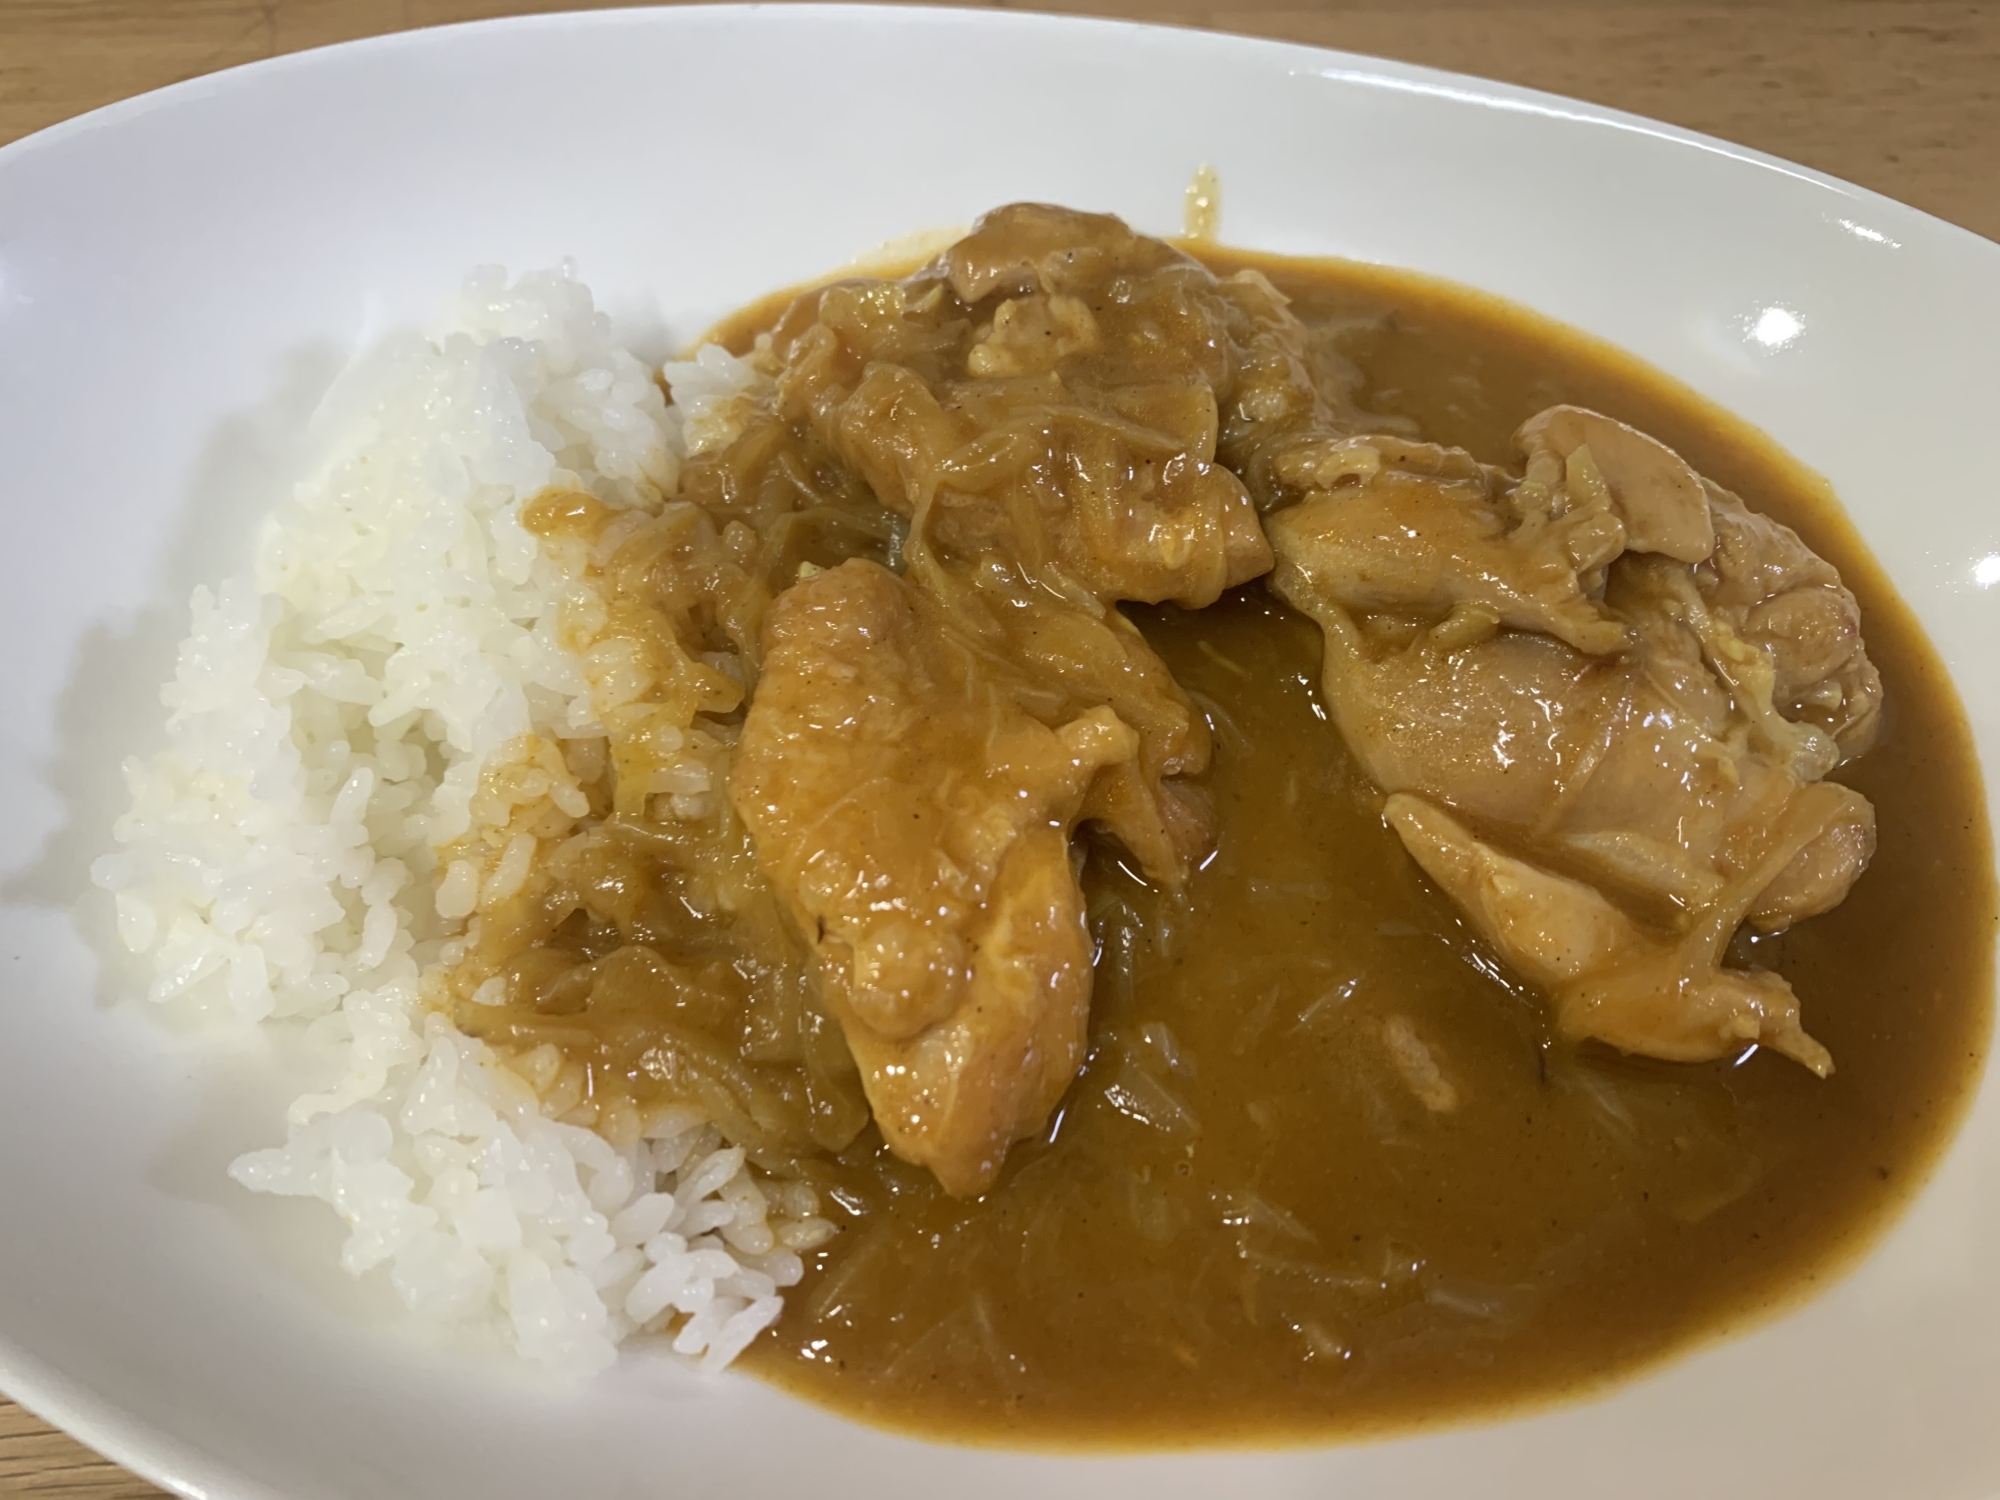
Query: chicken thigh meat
[1603,696]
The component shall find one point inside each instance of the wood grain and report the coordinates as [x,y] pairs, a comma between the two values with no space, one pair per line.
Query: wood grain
[35,1459]
[1902,96]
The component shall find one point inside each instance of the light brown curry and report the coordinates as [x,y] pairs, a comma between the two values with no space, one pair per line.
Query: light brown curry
[1329,1167]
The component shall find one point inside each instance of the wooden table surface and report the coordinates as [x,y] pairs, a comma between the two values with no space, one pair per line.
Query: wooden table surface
[1902,96]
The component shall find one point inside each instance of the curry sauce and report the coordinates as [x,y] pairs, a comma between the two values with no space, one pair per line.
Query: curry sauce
[1327,1171]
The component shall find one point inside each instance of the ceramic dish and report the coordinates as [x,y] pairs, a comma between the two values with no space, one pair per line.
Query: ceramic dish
[181,274]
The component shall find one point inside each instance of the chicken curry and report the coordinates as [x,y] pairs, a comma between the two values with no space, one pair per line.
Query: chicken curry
[1287,849]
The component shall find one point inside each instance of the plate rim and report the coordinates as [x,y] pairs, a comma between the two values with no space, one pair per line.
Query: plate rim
[1368,70]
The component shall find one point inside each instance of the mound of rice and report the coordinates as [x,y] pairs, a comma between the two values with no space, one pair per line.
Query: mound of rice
[329,720]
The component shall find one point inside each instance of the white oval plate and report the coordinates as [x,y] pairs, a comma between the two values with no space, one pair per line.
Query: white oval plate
[180,274]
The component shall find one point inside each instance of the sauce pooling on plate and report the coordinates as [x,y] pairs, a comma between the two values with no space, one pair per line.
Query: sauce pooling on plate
[1330,1163]
[1327,1171]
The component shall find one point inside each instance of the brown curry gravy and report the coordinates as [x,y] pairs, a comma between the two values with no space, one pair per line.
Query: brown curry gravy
[1244,1226]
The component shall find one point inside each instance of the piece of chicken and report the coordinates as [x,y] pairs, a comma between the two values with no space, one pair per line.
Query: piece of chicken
[1044,403]
[1048,393]
[916,817]
[1625,685]
[1072,654]
[1609,978]
[1043,406]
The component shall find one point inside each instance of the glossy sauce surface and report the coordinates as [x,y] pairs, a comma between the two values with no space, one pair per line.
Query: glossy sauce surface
[1327,1171]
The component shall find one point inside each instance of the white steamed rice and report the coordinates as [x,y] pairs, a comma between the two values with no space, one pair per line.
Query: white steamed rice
[330,716]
